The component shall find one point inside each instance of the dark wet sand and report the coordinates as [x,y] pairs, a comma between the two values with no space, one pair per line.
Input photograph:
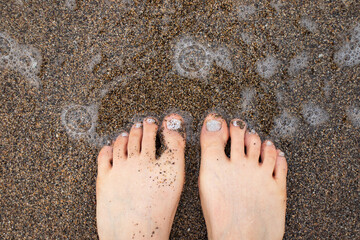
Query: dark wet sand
[48,178]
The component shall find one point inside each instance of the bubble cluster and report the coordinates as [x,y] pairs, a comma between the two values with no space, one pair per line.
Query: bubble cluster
[353,114]
[314,115]
[309,24]
[194,60]
[80,121]
[244,11]
[285,125]
[349,53]
[22,58]
[267,67]
[298,63]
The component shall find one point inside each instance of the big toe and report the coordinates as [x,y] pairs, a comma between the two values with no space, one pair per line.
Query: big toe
[214,136]
[174,135]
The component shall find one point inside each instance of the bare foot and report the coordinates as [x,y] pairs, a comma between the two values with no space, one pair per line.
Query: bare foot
[137,194]
[240,197]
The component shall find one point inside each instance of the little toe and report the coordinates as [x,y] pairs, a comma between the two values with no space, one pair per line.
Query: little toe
[237,135]
[252,146]
[214,136]
[268,156]
[105,159]
[148,145]
[120,148]
[281,167]
[173,131]
[134,144]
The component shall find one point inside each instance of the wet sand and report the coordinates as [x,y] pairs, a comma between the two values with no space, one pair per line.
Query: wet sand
[114,62]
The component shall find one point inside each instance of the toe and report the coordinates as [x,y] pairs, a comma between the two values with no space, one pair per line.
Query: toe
[281,167]
[149,137]
[105,159]
[173,131]
[120,148]
[214,136]
[268,156]
[134,145]
[237,135]
[252,145]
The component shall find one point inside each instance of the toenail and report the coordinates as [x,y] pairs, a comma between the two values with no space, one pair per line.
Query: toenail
[252,131]
[269,143]
[238,123]
[281,154]
[138,125]
[213,125]
[150,120]
[124,134]
[173,124]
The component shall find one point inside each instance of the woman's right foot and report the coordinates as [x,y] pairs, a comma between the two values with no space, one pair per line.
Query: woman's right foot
[241,197]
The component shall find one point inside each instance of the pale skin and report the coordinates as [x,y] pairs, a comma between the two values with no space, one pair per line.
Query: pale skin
[241,197]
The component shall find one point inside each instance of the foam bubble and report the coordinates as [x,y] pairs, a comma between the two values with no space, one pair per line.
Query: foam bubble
[298,63]
[276,4]
[244,11]
[80,121]
[353,113]
[327,89]
[248,96]
[349,53]
[95,60]
[71,4]
[111,85]
[347,3]
[20,2]
[246,38]
[223,59]
[314,115]
[309,24]
[267,67]
[192,59]
[286,125]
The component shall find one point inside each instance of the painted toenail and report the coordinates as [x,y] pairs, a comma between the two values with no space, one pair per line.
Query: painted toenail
[124,134]
[269,143]
[173,124]
[138,125]
[213,125]
[281,154]
[238,123]
[150,120]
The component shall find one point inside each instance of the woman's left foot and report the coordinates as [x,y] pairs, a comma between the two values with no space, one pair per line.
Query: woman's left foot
[137,194]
